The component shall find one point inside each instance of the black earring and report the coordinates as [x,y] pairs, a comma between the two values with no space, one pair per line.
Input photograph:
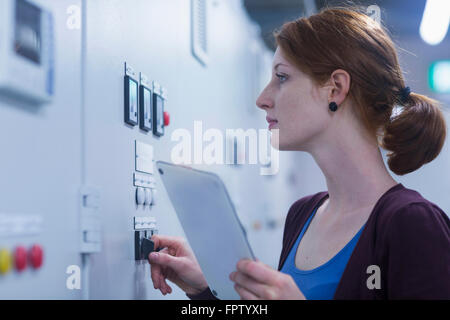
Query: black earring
[333,106]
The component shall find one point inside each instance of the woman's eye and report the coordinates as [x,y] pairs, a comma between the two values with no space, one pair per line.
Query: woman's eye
[281,77]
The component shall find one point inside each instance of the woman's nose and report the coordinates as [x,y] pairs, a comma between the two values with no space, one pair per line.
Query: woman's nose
[264,101]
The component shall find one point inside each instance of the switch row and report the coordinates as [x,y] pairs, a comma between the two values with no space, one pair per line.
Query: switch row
[20,258]
[145,196]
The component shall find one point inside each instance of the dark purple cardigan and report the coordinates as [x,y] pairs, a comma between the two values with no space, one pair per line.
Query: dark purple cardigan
[406,236]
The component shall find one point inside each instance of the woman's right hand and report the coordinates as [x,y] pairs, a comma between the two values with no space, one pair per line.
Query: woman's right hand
[177,263]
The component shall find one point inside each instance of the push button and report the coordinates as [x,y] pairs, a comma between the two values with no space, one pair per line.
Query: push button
[5,261]
[166,118]
[36,255]
[20,258]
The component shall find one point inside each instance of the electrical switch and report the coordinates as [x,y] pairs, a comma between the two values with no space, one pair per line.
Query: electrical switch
[20,258]
[5,261]
[148,197]
[166,118]
[36,256]
[143,246]
[148,246]
[153,197]
[140,196]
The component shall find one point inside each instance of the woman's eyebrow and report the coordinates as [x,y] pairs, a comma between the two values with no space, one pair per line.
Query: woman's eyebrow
[280,64]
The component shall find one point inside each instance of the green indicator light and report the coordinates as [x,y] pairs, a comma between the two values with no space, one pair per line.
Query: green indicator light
[439,76]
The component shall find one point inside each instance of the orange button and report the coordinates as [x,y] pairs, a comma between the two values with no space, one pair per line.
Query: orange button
[36,255]
[20,258]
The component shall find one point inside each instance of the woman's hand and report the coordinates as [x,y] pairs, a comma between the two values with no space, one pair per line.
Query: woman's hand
[255,280]
[177,263]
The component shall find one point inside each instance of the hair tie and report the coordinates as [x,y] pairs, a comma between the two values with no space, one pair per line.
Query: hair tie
[404,94]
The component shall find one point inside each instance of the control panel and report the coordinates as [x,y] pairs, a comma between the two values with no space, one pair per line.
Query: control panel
[26,51]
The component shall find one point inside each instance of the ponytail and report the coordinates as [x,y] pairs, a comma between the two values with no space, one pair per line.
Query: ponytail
[415,136]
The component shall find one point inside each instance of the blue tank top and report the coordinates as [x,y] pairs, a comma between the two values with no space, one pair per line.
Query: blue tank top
[319,283]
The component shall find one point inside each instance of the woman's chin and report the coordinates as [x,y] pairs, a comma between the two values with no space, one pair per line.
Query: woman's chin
[285,146]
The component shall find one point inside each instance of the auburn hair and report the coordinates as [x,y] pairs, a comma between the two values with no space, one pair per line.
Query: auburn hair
[344,38]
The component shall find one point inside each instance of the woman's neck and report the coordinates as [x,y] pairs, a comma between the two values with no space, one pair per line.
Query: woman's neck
[355,174]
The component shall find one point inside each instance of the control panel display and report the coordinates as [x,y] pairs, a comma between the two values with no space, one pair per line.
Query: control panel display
[131,101]
[158,106]
[145,114]
[27,52]
[28,31]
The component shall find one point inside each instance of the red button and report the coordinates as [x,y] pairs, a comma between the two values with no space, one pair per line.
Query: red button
[166,118]
[20,258]
[36,256]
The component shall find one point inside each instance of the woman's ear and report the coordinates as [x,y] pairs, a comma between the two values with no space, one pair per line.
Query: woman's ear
[339,86]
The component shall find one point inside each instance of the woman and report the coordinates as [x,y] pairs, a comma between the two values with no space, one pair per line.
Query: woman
[336,79]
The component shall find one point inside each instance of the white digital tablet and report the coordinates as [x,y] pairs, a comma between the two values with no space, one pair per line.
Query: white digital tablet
[210,222]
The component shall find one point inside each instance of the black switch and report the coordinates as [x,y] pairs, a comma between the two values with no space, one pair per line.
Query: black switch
[143,246]
[147,246]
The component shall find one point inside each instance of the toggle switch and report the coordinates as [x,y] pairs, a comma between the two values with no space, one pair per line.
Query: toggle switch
[140,196]
[148,197]
[153,197]
[143,246]
[148,246]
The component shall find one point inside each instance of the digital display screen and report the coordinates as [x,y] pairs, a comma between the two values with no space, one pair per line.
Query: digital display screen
[133,98]
[28,36]
[160,114]
[147,106]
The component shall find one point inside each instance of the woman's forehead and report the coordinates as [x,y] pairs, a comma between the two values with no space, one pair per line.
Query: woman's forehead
[279,57]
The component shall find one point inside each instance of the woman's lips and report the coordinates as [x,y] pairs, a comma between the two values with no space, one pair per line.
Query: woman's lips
[272,122]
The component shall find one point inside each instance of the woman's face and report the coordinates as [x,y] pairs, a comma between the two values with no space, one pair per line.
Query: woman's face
[299,107]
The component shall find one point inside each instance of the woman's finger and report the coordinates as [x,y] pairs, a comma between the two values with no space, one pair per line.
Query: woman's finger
[164,286]
[244,294]
[258,271]
[156,271]
[161,241]
[251,285]
[163,258]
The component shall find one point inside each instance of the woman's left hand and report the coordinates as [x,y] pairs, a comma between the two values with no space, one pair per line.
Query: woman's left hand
[255,280]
